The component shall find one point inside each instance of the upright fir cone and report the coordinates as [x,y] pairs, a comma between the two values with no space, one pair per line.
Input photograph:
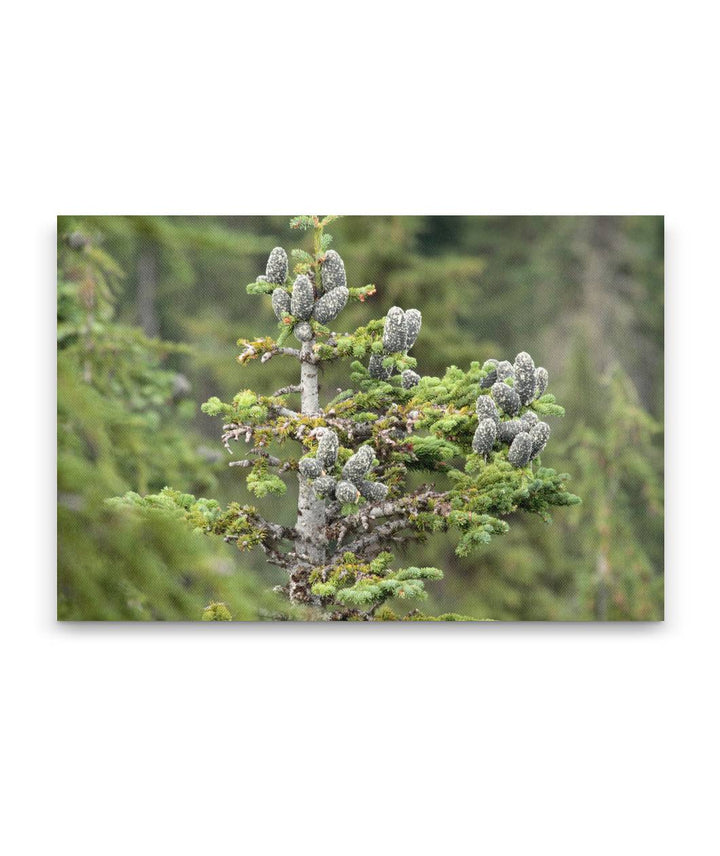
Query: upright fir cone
[490,366]
[530,418]
[327,450]
[520,450]
[332,272]
[324,487]
[409,379]
[504,370]
[346,492]
[506,398]
[508,431]
[280,303]
[276,269]
[395,332]
[524,372]
[485,435]
[486,409]
[357,465]
[310,468]
[541,381]
[373,491]
[329,306]
[413,322]
[303,298]
[377,369]
[539,435]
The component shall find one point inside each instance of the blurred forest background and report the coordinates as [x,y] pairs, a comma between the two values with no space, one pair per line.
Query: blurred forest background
[149,311]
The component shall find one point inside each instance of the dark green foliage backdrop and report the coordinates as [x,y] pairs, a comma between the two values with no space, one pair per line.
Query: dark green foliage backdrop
[584,295]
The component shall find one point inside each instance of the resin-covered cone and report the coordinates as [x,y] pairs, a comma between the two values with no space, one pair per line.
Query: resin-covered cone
[280,303]
[373,491]
[486,409]
[276,269]
[539,435]
[530,418]
[413,322]
[524,373]
[508,431]
[395,332]
[327,450]
[329,306]
[357,465]
[542,379]
[346,492]
[324,487]
[504,370]
[484,438]
[506,398]
[303,298]
[377,369]
[310,468]
[521,450]
[409,379]
[332,272]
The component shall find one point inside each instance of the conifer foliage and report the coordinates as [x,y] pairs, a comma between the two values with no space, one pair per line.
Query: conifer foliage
[352,453]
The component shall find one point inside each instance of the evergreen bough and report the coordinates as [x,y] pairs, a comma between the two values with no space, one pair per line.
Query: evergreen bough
[481,427]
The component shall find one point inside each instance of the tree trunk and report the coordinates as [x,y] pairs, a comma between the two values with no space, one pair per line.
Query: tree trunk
[147,295]
[311,543]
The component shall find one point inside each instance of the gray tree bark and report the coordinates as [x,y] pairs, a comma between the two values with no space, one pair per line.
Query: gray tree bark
[311,543]
[147,294]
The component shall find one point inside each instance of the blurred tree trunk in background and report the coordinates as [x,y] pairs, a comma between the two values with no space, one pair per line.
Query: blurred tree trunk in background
[147,294]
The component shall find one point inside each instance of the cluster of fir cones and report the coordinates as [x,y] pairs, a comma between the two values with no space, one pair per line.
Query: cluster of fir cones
[303,302]
[352,483]
[512,387]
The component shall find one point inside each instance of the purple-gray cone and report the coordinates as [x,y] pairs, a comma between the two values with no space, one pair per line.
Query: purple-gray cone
[506,398]
[327,450]
[395,332]
[409,379]
[377,369]
[508,431]
[541,381]
[280,303]
[489,366]
[413,321]
[332,272]
[325,487]
[539,435]
[373,491]
[303,332]
[530,418]
[357,465]
[484,438]
[486,408]
[329,306]
[504,369]
[524,370]
[520,450]
[303,298]
[346,492]
[276,269]
[310,468]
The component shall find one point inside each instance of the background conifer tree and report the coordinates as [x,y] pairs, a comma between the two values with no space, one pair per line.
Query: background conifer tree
[123,421]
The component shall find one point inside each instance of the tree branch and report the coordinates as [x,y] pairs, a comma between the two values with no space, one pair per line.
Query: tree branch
[268,355]
[286,390]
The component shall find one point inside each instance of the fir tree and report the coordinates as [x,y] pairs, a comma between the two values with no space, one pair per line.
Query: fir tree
[353,455]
